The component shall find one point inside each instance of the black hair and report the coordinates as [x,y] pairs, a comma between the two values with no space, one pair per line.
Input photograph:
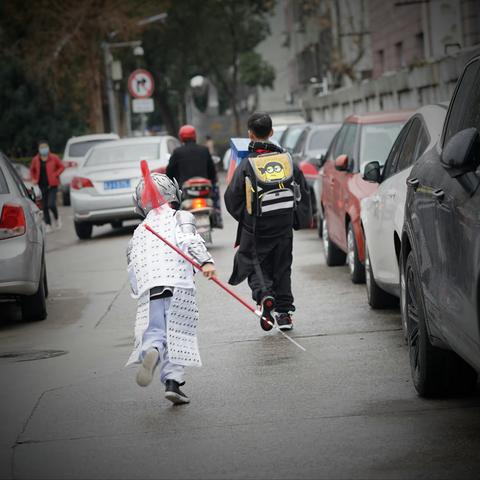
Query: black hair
[260,124]
[42,141]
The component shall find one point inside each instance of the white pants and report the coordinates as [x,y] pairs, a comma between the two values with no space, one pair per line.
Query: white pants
[156,337]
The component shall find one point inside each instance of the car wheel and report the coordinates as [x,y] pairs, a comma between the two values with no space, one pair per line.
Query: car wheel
[333,255]
[34,307]
[435,371]
[66,198]
[377,297]
[357,270]
[45,281]
[403,299]
[83,230]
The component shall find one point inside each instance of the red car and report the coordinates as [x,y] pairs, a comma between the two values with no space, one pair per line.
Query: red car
[362,139]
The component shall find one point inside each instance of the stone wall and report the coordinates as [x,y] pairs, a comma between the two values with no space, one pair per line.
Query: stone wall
[431,82]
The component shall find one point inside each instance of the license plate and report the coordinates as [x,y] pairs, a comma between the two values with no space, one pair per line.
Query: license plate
[115,184]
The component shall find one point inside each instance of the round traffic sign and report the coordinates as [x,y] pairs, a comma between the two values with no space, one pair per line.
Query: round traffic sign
[140,84]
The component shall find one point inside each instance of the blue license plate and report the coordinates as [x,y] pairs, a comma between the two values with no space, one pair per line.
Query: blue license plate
[114,184]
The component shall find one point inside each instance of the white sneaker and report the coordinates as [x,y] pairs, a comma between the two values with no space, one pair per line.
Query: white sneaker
[58,223]
[48,228]
[147,368]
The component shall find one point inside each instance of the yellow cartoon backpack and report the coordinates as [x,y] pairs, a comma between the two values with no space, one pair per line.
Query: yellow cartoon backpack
[270,188]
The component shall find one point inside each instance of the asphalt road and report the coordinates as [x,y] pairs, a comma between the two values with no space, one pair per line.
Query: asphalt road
[261,408]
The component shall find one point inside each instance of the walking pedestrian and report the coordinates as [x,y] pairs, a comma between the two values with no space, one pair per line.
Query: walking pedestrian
[45,170]
[162,281]
[267,196]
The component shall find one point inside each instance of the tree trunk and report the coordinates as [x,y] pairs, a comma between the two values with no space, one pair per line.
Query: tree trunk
[95,117]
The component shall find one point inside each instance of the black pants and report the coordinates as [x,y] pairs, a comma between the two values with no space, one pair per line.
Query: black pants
[49,202]
[273,276]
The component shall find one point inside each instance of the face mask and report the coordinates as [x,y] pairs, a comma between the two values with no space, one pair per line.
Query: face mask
[43,151]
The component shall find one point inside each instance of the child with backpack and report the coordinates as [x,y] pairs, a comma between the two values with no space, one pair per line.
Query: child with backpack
[268,197]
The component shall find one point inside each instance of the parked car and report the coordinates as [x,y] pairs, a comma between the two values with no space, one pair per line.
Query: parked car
[362,139]
[74,156]
[309,151]
[102,189]
[290,137]
[278,132]
[382,213]
[440,255]
[23,274]
[24,173]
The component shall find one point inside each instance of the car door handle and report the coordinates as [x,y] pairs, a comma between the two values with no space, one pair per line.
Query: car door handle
[413,182]
[439,194]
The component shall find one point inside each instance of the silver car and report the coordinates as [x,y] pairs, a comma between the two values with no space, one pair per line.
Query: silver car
[23,276]
[74,155]
[102,190]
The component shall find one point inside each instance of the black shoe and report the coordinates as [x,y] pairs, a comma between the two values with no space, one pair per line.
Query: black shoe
[267,321]
[284,321]
[174,394]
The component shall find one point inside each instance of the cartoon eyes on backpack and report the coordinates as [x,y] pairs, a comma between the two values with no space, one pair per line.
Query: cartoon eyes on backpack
[274,168]
[273,171]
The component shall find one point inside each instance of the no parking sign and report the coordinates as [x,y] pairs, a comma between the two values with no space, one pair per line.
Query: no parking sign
[141,84]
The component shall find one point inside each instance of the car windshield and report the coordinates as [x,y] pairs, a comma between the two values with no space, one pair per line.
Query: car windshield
[277,133]
[321,138]
[291,137]
[376,140]
[123,154]
[80,149]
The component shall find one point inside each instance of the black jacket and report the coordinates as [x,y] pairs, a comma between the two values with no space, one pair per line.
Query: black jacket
[191,160]
[258,236]
[271,226]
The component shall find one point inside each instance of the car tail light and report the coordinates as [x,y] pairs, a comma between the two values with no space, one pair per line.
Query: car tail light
[12,221]
[160,170]
[70,163]
[78,183]
[199,203]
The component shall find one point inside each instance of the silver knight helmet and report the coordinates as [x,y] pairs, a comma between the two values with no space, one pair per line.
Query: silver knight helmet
[167,188]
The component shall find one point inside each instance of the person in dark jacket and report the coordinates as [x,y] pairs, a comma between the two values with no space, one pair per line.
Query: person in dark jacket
[191,160]
[264,256]
[45,171]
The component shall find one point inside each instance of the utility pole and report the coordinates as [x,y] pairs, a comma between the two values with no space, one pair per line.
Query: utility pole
[107,59]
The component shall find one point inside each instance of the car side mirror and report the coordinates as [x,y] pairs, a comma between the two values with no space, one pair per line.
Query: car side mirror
[341,163]
[461,153]
[372,172]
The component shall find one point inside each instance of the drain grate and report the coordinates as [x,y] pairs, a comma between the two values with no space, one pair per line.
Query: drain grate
[32,355]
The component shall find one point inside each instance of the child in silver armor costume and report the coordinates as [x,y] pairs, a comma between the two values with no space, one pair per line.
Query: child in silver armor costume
[162,282]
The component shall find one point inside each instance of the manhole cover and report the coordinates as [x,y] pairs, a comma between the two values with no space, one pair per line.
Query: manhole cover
[32,355]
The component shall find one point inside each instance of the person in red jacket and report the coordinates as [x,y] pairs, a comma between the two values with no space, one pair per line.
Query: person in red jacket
[45,169]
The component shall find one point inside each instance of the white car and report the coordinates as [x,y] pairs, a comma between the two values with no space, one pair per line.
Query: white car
[74,155]
[102,190]
[382,214]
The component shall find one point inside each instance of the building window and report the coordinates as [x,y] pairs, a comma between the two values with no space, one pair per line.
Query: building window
[399,54]
[419,46]
[381,61]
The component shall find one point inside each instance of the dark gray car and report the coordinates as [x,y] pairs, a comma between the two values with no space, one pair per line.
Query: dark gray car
[23,277]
